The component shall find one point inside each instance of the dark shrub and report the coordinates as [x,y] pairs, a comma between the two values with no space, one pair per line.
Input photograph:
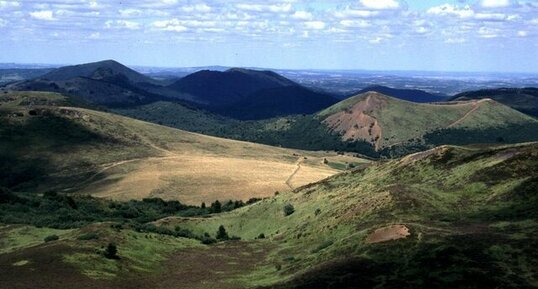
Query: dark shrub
[288,209]
[261,236]
[111,251]
[51,238]
[88,236]
[222,234]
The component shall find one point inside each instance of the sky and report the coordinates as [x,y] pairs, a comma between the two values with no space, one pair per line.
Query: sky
[428,35]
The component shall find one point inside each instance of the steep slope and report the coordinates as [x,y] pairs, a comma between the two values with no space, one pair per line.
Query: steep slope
[414,95]
[522,99]
[250,94]
[385,122]
[454,210]
[106,83]
[84,151]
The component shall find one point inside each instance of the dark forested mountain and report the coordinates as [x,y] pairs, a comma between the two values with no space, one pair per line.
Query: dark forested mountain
[106,83]
[414,95]
[522,99]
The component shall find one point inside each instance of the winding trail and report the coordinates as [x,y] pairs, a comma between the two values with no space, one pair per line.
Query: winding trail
[476,106]
[297,168]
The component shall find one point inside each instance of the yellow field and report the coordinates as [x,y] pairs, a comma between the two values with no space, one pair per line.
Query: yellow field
[194,168]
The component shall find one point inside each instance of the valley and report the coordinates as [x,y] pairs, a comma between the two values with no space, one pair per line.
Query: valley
[111,179]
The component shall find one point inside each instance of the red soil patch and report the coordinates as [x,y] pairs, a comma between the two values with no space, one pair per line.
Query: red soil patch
[388,233]
[358,122]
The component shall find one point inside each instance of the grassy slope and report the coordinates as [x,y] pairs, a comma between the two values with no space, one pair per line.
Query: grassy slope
[81,150]
[402,121]
[469,210]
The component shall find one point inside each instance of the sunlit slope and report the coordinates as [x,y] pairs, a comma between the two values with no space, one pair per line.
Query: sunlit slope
[385,121]
[49,146]
[464,212]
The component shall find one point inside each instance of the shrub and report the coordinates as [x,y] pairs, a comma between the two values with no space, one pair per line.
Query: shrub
[288,209]
[222,234]
[216,207]
[51,238]
[111,251]
[261,236]
[207,240]
[88,236]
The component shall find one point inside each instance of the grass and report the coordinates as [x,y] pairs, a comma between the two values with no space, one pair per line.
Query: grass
[405,122]
[18,237]
[138,252]
[79,150]
[423,195]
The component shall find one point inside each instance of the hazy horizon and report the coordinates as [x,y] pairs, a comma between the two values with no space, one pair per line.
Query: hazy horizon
[497,36]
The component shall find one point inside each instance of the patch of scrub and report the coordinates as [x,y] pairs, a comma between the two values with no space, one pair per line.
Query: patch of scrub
[13,238]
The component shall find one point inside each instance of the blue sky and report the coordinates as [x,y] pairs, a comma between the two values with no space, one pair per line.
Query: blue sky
[441,35]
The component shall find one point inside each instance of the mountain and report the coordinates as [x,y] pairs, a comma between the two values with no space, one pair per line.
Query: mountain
[414,95]
[250,94]
[370,124]
[101,70]
[79,150]
[522,99]
[107,83]
[387,122]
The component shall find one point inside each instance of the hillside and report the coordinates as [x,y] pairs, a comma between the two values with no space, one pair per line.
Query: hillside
[465,213]
[250,94]
[106,83]
[79,150]
[386,122]
[522,99]
[414,95]
[97,70]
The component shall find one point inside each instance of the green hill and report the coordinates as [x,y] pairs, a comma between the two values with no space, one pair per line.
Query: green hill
[79,150]
[522,99]
[387,122]
[467,214]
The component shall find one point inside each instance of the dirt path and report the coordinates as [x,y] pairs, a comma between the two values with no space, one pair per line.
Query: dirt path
[476,105]
[297,168]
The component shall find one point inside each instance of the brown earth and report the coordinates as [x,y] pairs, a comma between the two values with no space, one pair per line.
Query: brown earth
[358,121]
[389,233]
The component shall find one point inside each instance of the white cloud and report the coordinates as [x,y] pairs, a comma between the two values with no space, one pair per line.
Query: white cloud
[356,23]
[46,15]
[522,33]
[3,23]
[95,35]
[122,24]
[495,3]
[380,4]
[170,25]
[302,15]
[348,12]
[275,8]
[130,12]
[9,4]
[375,40]
[491,16]
[486,32]
[204,8]
[316,25]
[447,10]
[455,40]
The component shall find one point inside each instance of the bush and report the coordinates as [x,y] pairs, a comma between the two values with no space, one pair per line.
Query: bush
[222,234]
[261,236]
[288,209]
[88,236]
[51,238]
[111,251]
